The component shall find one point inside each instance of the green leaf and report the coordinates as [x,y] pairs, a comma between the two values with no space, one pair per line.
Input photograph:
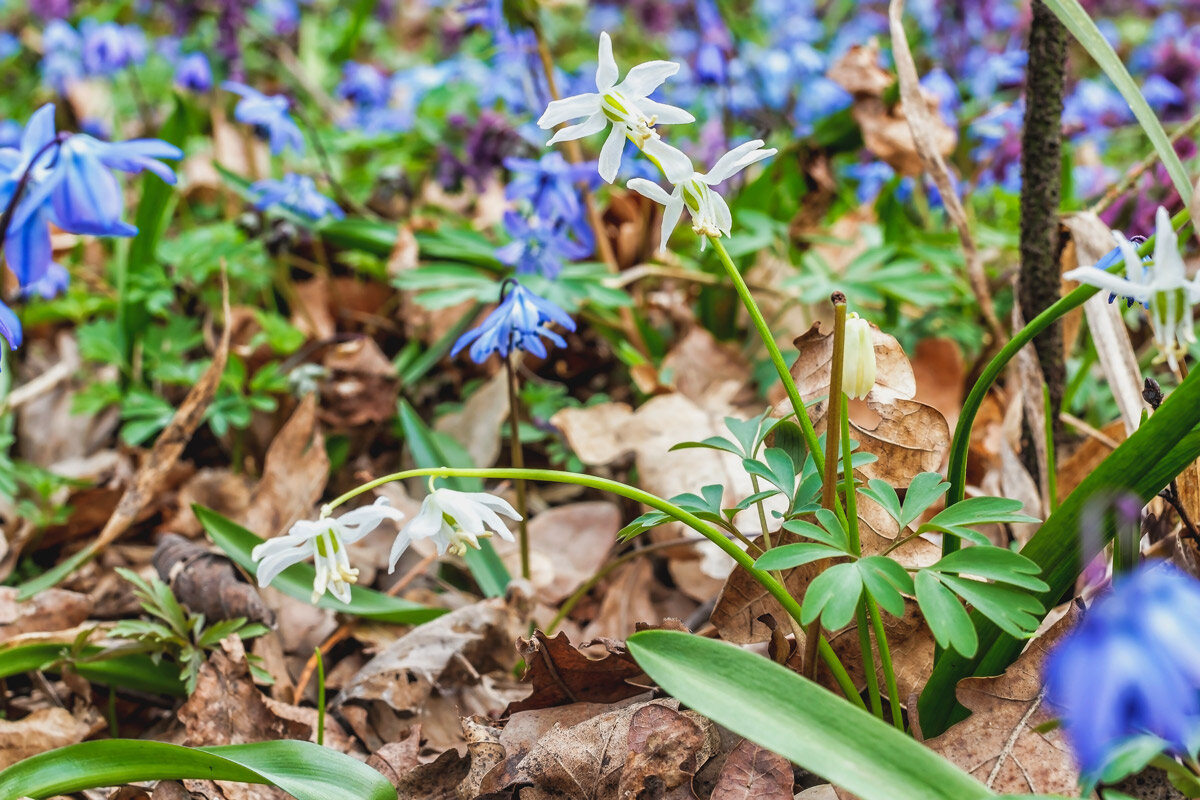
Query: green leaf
[922,492]
[1081,26]
[887,582]
[297,580]
[833,596]
[958,518]
[794,555]
[430,450]
[124,671]
[885,495]
[784,712]
[994,563]
[304,770]
[948,620]
[1016,611]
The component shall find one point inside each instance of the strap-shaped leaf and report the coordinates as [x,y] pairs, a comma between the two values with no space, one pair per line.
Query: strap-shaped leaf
[302,769]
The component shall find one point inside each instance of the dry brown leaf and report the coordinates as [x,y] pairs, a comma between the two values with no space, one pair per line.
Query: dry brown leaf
[485,751]
[703,369]
[207,583]
[362,387]
[940,374]
[560,674]
[567,544]
[911,645]
[438,780]
[999,743]
[477,426]
[294,473]
[171,790]
[48,610]
[743,600]
[626,602]
[395,759]
[663,757]
[43,730]
[754,773]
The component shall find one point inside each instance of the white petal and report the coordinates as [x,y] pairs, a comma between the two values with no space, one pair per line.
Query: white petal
[650,190]
[308,528]
[1104,280]
[606,69]
[735,161]
[463,509]
[675,164]
[341,590]
[645,78]
[593,124]
[721,213]
[354,525]
[671,215]
[275,563]
[664,114]
[427,522]
[1168,264]
[559,111]
[610,154]
[398,547]
[493,523]
[497,504]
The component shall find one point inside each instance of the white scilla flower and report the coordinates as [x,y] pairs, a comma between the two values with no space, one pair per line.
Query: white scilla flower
[324,541]
[455,521]
[710,213]
[1162,287]
[858,362]
[626,105]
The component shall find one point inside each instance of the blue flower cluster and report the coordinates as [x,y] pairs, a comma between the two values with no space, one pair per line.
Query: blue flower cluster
[268,113]
[382,103]
[67,180]
[296,193]
[519,323]
[1127,678]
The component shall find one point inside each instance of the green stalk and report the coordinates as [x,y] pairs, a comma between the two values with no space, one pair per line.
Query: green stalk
[885,658]
[1051,466]
[776,589]
[517,456]
[320,696]
[864,642]
[956,472]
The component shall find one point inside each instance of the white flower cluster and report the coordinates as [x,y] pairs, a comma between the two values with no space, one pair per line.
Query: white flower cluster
[453,520]
[633,115]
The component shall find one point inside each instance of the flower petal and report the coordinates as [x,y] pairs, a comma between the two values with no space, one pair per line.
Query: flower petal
[671,214]
[1113,283]
[650,190]
[664,114]
[675,164]
[610,154]
[593,124]
[606,68]
[736,160]
[645,78]
[559,111]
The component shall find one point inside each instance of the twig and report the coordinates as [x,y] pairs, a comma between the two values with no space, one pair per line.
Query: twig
[1125,184]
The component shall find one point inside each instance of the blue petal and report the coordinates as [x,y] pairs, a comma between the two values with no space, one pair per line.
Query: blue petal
[10,327]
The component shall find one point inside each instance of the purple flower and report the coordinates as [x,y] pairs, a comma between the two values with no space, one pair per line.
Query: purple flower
[519,322]
[1130,671]
[62,60]
[282,15]
[194,73]
[550,185]
[269,115]
[296,193]
[363,85]
[109,47]
[539,246]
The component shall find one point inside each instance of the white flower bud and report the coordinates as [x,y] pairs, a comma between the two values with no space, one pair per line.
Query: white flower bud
[858,364]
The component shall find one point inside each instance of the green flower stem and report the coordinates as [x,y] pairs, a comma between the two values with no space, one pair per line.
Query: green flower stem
[320,696]
[885,658]
[773,587]
[768,339]
[864,642]
[517,456]
[956,473]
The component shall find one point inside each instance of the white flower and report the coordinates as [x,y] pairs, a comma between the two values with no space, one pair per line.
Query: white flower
[324,541]
[710,213]
[858,362]
[455,521]
[625,104]
[1162,287]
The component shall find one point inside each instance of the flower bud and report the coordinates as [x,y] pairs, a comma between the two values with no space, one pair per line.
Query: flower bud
[858,364]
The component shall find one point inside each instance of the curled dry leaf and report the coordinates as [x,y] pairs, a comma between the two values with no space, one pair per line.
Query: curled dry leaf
[1000,743]
[477,426]
[664,755]
[485,751]
[556,568]
[43,730]
[560,673]
[294,473]
[207,583]
[705,370]
[743,600]
[754,773]
[362,387]
[48,610]
[395,759]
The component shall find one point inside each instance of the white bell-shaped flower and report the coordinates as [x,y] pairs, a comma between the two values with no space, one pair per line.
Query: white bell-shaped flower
[858,361]
[324,541]
[626,105]
[1162,286]
[710,213]
[455,521]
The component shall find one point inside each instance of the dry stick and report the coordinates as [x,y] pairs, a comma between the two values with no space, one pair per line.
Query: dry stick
[833,430]
[575,156]
[518,460]
[920,124]
[347,628]
[1131,177]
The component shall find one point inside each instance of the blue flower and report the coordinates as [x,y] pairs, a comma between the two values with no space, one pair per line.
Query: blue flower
[62,62]
[296,193]
[871,177]
[269,114]
[50,285]
[539,246]
[1129,673]
[109,47]
[363,85]
[282,15]
[550,186]
[10,327]
[519,322]
[194,73]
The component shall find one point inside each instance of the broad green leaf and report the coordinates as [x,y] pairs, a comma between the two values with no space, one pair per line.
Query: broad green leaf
[887,582]
[958,519]
[835,538]
[787,556]
[833,596]
[784,712]
[1016,611]
[711,443]
[994,563]
[1081,26]
[947,619]
[302,769]
[297,580]
[125,671]
[923,491]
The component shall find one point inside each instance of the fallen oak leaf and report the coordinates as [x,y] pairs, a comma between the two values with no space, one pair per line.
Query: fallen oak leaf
[664,750]
[754,773]
[561,674]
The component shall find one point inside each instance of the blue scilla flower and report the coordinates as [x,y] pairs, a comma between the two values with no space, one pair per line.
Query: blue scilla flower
[268,114]
[518,323]
[109,47]
[871,177]
[62,59]
[50,285]
[550,185]
[194,73]
[10,327]
[283,16]
[296,193]
[540,246]
[1129,673]
[363,85]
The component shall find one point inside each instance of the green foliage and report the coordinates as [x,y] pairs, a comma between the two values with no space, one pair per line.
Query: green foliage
[177,632]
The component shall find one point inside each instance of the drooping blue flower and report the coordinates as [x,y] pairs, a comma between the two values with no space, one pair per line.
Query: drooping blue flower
[50,285]
[518,323]
[269,115]
[194,73]
[297,193]
[1130,671]
[109,47]
[1161,94]
[540,246]
[10,327]
[550,185]
[363,85]
[283,16]
[871,177]
[10,133]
